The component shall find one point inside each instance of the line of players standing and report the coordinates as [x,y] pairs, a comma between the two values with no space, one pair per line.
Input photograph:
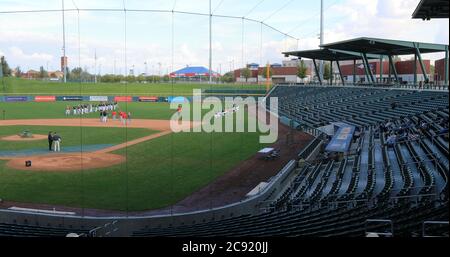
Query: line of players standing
[103,108]
[82,109]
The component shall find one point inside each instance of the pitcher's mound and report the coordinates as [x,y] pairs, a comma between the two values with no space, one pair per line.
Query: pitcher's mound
[19,138]
[67,162]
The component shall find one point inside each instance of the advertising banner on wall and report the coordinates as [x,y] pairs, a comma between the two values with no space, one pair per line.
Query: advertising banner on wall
[148,99]
[70,98]
[41,98]
[177,99]
[16,98]
[98,99]
[123,99]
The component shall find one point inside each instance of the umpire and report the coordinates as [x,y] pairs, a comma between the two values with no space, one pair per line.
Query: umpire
[50,140]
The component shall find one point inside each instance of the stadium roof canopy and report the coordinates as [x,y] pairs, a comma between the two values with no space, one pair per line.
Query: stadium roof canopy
[431,9]
[194,71]
[365,48]
[385,46]
[328,55]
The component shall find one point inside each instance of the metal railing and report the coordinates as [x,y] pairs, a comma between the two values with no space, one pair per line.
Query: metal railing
[436,87]
[427,223]
[104,231]
[380,222]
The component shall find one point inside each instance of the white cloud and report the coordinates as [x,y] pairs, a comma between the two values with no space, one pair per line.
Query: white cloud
[18,53]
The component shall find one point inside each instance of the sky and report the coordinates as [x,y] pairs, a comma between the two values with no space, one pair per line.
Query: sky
[143,40]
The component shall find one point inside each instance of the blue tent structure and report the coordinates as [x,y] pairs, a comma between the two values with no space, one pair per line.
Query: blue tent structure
[193,72]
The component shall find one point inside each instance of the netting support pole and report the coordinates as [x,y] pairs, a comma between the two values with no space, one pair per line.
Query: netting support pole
[64,65]
[210,43]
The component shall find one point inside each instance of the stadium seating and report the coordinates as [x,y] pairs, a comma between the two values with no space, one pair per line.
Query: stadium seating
[317,106]
[405,182]
[37,231]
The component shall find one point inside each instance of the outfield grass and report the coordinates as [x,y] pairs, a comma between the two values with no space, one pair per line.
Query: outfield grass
[35,87]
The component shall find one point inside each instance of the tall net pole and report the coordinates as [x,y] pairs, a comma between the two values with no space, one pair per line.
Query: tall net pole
[321,38]
[210,43]
[64,65]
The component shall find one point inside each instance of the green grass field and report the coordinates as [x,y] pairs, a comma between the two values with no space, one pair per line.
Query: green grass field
[157,174]
[56,110]
[34,87]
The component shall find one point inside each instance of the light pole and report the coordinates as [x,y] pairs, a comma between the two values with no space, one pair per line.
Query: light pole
[321,38]
[153,73]
[95,64]
[64,45]
[159,69]
[114,68]
[210,43]
[146,68]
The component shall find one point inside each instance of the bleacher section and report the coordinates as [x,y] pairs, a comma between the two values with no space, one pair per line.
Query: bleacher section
[397,169]
[318,106]
[17,230]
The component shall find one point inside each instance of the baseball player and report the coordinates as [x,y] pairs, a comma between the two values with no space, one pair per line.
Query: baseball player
[56,142]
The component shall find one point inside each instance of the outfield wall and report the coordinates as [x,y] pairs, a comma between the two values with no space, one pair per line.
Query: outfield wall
[121,98]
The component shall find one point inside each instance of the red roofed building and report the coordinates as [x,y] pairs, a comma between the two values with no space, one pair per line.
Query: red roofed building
[439,72]
[280,74]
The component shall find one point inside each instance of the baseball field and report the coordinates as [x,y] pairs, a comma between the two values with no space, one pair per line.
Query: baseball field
[109,166]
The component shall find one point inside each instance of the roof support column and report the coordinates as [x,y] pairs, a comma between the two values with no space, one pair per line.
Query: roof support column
[422,66]
[389,73]
[446,66]
[317,71]
[415,69]
[394,70]
[381,69]
[369,73]
[331,72]
[354,71]
[340,72]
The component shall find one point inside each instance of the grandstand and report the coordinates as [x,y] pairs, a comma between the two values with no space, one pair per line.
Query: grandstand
[405,183]
[392,179]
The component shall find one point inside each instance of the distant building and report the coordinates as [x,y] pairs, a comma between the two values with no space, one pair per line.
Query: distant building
[405,71]
[31,74]
[194,73]
[55,74]
[439,71]
[253,66]
[280,74]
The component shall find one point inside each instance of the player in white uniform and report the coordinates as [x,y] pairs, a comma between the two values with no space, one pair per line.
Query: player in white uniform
[67,110]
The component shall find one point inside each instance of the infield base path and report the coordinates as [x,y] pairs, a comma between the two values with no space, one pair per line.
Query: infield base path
[86,160]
